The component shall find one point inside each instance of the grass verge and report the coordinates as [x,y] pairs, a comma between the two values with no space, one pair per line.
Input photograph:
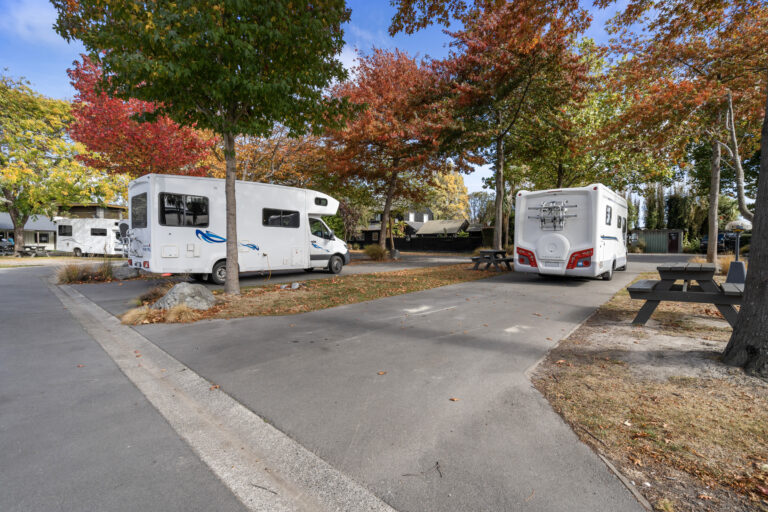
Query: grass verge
[319,293]
[691,433]
[78,273]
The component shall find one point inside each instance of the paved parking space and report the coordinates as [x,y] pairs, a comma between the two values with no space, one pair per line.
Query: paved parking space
[499,446]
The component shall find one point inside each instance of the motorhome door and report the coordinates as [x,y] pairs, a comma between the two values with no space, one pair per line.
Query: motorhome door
[320,240]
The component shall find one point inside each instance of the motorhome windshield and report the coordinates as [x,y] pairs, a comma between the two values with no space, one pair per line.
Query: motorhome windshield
[139,211]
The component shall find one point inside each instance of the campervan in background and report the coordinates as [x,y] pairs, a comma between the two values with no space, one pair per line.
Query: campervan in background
[571,231]
[177,225]
[88,236]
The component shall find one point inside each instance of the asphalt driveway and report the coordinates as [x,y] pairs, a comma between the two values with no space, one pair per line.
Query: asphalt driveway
[497,446]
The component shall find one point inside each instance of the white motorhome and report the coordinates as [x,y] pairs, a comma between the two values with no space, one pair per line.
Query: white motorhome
[177,225]
[88,236]
[571,231]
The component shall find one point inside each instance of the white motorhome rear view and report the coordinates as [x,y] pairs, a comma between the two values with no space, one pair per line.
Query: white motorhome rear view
[88,236]
[178,225]
[571,231]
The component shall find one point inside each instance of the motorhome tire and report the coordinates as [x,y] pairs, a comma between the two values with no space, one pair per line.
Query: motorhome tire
[607,276]
[335,264]
[199,277]
[219,273]
[623,268]
[77,252]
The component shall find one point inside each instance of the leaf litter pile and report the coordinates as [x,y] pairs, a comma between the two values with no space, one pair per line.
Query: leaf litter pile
[689,432]
[313,295]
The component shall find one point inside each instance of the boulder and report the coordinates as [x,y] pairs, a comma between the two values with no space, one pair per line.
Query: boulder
[124,272]
[194,296]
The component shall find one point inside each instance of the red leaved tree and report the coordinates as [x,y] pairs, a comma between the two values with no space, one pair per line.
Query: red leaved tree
[393,144]
[510,64]
[118,143]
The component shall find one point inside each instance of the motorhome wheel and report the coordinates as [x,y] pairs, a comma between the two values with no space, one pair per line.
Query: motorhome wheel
[219,272]
[199,277]
[335,264]
[77,252]
[609,275]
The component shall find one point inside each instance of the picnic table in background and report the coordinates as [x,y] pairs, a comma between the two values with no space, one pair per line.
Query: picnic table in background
[34,250]
[495,257]
[706,290]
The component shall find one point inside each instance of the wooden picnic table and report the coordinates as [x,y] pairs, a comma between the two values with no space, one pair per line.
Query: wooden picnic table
[495,257]
[34,250]
[706,290]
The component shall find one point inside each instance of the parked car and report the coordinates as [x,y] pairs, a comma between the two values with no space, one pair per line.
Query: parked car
[720,242]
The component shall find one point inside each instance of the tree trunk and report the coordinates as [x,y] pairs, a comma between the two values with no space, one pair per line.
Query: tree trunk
[714,196]
[498,225]
[560,174]
[19,221]
[232,282]
[391,235]
[737,162]
[748,346]
[385,214]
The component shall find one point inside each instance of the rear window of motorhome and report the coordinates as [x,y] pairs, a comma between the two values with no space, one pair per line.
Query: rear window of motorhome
[139,211]
[280,218]
[608,215]
[321,201]
[65,230]
[98,232]
[183,210]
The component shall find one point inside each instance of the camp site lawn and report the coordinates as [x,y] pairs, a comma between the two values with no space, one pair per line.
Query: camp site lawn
[688,431]
[312,295]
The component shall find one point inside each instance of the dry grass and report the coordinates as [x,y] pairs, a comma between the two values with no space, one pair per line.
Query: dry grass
[146,315]
[320,293]
[78,273]
[723,260]
[660,405]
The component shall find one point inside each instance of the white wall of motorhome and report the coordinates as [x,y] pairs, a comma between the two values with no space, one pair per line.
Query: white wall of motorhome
[588,240]
[88,236]
[178,225]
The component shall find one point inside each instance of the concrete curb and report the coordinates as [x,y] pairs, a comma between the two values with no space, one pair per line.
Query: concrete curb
[264,468]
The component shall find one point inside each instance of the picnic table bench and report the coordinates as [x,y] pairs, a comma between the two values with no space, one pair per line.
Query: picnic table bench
[33,250]
[706,290]
[492,257]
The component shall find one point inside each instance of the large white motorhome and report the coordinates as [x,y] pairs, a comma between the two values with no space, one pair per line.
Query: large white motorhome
[571,231]
[178,225]
[88,236]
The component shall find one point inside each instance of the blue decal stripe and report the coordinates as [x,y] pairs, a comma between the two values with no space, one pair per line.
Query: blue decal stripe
[213,238]
[609,238]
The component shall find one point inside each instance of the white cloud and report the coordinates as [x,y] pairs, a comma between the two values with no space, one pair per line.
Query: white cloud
[31,21]
[349,58]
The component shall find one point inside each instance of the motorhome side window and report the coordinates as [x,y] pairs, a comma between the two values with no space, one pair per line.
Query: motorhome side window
[139,211]
[280,218]
[321,201]
[183,210]
[98,232]
[608,215]
[65,230]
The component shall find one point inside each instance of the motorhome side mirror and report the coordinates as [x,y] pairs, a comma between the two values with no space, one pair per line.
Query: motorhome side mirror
[123,229]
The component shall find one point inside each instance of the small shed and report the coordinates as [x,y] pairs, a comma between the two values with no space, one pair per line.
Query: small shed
[449,228]
[658,240]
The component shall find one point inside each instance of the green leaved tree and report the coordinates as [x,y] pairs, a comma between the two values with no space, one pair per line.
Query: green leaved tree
[38,168]
[232,67]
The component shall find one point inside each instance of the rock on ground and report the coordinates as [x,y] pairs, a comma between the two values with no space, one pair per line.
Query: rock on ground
[195,296]
[124,272]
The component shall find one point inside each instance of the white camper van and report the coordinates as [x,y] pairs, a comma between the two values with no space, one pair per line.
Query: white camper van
[178,225]
[88,236]
[571,231]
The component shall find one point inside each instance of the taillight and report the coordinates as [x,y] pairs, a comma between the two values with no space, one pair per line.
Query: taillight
[146,264]
[580,259]
[525,257]
[130,262]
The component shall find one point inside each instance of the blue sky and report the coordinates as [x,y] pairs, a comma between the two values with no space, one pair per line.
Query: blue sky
[30,48]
